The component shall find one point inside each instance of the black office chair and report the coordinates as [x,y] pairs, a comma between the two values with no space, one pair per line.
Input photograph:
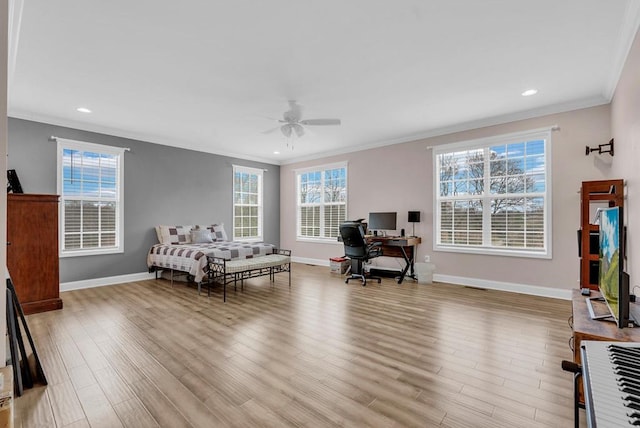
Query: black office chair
[357,249]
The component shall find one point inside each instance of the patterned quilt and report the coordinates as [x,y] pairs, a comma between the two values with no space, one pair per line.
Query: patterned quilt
[192,258]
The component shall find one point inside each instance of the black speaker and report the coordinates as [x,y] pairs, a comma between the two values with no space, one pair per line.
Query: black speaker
[402,232]
[414,217]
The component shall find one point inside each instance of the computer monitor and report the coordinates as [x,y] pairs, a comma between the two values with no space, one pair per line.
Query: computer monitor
[382,221]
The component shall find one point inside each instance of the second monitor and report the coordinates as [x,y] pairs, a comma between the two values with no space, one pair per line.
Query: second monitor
[382,221]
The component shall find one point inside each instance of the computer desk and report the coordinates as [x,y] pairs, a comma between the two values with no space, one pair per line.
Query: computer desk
[399,246]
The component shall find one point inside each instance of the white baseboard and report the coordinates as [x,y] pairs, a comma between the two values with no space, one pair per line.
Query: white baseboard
[533,290]
[111,280]
[307,261]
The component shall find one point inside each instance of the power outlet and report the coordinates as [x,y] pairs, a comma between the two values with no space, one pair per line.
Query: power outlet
[427,259]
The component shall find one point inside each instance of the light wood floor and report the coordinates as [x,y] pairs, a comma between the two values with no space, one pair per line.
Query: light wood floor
[322,354]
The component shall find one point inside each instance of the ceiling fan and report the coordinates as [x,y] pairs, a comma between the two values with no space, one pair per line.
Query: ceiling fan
[292,121]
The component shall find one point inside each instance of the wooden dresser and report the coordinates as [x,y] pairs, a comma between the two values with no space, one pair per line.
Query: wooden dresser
[32,250]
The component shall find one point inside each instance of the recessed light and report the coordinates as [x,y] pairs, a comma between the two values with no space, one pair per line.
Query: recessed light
[276,153]
[83,110]
[529,92]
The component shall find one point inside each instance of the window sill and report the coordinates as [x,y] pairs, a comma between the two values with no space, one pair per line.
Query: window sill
[247,239]
[495,252]
[319,240]
[80,253]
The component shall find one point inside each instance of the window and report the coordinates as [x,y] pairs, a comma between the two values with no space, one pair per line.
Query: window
[493,196]
[89,184]
[322,202]
[247,203]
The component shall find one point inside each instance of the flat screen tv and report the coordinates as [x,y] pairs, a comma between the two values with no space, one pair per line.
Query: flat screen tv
[382,221]
[613,282]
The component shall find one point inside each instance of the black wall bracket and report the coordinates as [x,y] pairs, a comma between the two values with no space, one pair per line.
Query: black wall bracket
[602,148]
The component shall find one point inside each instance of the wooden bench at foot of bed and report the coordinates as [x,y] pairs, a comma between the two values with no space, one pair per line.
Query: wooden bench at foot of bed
[225,271]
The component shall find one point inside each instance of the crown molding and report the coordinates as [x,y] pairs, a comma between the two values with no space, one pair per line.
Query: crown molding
[626,36]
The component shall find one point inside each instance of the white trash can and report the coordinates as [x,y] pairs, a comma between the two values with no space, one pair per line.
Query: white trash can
[425,272]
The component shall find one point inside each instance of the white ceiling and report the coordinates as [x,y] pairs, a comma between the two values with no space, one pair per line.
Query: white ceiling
[213,75]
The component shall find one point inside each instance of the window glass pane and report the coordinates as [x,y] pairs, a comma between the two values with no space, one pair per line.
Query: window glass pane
[535,214]
[498,239]
[335,185]
[108,216]
[535,147]
[108,168]
[310,221]
[446,215]
[90,240]
[108,240]
[108,190]
[72,242]
[72,216]
[310,188]
[535,240]
[90,221]
[71,163]
[334,215]
[515,150]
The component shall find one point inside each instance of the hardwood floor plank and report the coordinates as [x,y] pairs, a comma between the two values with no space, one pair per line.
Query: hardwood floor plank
[115,388]
[322,353]
[64,403]
[34,409]
[134,415]
[97,407]
[157,404]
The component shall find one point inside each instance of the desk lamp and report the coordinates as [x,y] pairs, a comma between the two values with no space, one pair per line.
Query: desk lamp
[414,217]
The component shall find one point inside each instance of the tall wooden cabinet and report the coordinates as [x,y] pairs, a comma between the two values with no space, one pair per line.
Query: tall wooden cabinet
[32,250]
[593,195]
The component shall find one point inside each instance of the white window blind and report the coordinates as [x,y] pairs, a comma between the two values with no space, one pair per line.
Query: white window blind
[493,196]
[90,187]
[247,203]
[322,201]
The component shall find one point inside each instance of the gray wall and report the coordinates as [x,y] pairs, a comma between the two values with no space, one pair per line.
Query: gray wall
[162,185]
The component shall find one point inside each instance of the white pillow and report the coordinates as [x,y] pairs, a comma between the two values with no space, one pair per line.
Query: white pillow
[201,236]
[174,234]
[217,232]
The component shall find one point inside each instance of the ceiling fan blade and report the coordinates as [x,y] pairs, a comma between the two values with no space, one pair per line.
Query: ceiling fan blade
[270,131]
[321,122]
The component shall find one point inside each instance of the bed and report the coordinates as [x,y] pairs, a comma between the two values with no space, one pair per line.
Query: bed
[207,256]
[193,258]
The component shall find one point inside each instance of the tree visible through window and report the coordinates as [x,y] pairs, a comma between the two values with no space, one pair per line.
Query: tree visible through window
[494,195]
[247,203]
[322,201]
[89,182]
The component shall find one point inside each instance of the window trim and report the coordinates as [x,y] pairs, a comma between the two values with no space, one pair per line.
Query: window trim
[515,137]
[297,173]
[63,143]
[260,173]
